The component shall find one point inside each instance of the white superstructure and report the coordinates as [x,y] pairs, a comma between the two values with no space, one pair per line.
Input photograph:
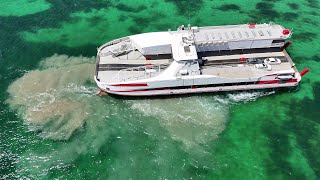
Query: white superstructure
[197,59]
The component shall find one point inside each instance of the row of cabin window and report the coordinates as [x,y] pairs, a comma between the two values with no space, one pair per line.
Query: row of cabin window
[215,85]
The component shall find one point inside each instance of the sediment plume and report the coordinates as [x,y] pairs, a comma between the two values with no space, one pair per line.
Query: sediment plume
[52,99]
[59,98]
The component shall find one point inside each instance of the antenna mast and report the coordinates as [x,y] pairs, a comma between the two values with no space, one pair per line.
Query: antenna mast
[189,26]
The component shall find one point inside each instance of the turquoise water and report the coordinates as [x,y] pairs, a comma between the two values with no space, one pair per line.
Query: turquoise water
[54,126]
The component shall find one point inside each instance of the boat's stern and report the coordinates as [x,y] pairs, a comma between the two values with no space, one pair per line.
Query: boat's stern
[101,86]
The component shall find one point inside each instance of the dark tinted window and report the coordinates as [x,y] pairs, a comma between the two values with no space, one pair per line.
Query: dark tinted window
[278,41]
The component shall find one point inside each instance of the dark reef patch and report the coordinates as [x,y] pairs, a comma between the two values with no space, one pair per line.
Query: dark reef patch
[306,128]
[310,21]
[290,16]
[305,36]
[313,4]
[229,7]
[7,161]
[197,171]
[272,1]
[123,18]
[264,5]
[142,22]
[293,6]
[59,12]
[33,53]
[297,59]
[315,58]
[278,162]
[264,11]
[187,7]
[95,20]
[199,22]
[314,13]
[135,30]
[123,7]
[154,4]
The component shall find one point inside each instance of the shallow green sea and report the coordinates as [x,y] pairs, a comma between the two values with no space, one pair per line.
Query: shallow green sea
[52,125]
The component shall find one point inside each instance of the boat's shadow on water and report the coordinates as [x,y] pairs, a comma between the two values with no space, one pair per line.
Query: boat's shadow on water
[208,94]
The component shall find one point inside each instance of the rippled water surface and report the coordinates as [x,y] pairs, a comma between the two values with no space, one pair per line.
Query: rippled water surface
[54,126]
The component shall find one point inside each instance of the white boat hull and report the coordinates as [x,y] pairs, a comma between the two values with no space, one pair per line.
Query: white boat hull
[168,91]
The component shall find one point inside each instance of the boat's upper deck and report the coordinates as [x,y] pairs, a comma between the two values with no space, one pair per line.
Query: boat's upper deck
[221,46]
[240,33]
[203,39]
[230,66]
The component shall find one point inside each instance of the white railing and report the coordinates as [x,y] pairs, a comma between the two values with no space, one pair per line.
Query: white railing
[115,41]
[141,72]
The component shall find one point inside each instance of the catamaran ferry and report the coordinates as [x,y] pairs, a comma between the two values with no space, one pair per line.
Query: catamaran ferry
[197,60]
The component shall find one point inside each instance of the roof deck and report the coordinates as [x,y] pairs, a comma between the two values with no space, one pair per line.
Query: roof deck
[181,49]
[240,32]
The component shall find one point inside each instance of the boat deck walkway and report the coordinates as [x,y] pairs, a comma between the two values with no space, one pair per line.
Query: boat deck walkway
[227,66]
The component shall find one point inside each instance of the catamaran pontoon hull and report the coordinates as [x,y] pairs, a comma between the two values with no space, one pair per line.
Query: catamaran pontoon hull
[197,60]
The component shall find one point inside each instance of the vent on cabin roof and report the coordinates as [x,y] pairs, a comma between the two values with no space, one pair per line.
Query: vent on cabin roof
[186,49]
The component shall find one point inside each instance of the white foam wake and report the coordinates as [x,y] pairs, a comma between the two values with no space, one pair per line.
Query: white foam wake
[196,119]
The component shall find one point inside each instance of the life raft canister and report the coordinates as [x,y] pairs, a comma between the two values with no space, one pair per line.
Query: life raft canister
[286,32]
[243,59]
[252,25]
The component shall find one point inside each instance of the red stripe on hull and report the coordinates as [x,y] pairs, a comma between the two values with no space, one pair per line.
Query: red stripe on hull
[130,85]
[143,90]
[276,81]
[268,82]
[292,80]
